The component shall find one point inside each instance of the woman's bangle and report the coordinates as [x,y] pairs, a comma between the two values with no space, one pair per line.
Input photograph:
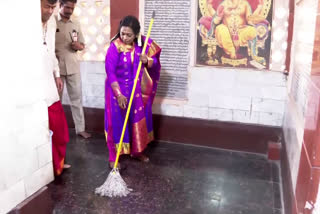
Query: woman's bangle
[116,92]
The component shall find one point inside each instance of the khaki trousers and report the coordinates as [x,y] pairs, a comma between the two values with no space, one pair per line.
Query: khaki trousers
[74,89]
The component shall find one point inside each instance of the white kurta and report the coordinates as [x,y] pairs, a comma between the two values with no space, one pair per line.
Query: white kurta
[50,62]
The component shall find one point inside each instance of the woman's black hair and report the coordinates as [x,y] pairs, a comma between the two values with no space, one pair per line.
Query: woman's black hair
[129,21]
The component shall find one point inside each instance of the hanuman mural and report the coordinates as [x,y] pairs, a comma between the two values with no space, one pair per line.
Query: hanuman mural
[234,33]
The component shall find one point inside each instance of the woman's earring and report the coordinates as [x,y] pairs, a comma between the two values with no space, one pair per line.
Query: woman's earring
[139,39]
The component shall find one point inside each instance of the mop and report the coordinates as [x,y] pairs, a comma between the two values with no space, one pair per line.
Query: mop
[115,186]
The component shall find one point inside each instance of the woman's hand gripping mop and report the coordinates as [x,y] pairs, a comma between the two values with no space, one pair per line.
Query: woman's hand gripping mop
[114,185]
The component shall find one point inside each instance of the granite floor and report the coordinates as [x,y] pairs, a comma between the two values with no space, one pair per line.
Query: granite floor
[180,179]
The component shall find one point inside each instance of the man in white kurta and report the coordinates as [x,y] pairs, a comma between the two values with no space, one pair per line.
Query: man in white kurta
[52,83]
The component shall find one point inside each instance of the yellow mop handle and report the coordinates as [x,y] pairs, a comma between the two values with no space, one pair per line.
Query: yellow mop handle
[133,90]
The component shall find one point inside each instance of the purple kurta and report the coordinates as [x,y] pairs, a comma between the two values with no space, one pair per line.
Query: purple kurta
[121,66]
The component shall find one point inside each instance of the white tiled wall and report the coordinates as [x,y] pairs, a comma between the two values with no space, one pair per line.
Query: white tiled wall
[38,179]
[293,133]
[301,61]
[12,196]
[245,96]
[25,155]
[93,76]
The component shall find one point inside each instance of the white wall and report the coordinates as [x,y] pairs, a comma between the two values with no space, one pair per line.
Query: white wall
[93,77]
[25,155]
[245,96]
[301,61]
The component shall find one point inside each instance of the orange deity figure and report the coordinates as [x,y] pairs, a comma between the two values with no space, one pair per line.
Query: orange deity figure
[233,25]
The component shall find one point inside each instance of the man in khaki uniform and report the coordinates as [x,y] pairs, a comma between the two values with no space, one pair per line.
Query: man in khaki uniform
[69,40]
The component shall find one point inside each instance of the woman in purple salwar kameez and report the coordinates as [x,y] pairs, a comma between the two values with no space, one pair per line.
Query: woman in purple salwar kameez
[122,60]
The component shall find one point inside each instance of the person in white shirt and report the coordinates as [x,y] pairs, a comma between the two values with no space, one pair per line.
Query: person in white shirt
[52,85]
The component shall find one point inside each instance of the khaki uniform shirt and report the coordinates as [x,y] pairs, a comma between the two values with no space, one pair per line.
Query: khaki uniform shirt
[67,57]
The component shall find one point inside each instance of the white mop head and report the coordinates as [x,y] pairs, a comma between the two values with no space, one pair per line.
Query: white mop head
[114,186]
